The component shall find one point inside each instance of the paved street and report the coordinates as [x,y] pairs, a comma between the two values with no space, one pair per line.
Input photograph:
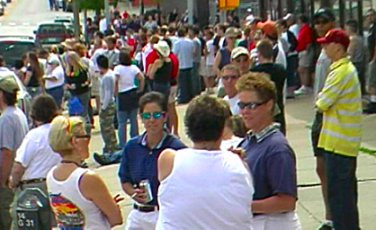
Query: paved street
[22,18]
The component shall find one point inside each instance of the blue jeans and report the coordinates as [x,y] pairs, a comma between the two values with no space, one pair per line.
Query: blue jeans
[84,99]
[342,190]
[123,117]
[185,92]
[57,93]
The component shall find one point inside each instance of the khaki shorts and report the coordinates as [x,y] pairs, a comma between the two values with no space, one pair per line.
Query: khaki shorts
[304,60]
[95,84]
[173,92]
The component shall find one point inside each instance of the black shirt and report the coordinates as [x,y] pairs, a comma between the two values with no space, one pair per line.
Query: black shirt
[80,80]
[34,79]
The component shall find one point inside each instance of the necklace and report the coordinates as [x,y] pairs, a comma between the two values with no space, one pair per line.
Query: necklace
[71,162]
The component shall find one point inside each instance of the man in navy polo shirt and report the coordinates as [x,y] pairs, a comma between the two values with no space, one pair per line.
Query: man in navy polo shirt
[140,158]
[268,155]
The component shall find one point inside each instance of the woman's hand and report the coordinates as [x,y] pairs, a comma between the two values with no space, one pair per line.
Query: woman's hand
[140,196]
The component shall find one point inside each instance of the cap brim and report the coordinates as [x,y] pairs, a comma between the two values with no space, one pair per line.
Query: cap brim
[322,40]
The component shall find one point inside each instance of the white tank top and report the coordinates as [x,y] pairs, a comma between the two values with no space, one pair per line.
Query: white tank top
[206,190]
[71,208]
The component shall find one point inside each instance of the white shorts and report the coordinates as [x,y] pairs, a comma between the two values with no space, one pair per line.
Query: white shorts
[141,220]
[173,92]
[288,221]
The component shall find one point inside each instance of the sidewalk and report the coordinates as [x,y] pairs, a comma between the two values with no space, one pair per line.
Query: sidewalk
[310,206]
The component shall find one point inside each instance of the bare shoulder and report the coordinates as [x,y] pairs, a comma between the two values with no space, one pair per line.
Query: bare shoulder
[91,180]
[166,163]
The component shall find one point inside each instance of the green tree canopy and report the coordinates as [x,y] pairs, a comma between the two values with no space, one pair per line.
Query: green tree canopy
[94,4]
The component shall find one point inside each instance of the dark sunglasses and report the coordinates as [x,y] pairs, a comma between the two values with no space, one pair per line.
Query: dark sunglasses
[228,77]
[250,105]
[321,22]
[85,136]
[155,115]
[238,60]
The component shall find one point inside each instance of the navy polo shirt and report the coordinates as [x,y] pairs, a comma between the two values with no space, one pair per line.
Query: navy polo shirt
[139,162]
[272,164]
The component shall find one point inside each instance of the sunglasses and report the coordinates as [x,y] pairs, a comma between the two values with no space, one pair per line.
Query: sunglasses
[321,22]
[228,77]
[155,115]
[250,105]
[238,60]
[85,136]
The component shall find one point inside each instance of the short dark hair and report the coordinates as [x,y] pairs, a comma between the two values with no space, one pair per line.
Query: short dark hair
[265,49]
[102,62]
[303,18]
[205,118]
[125,58]
[10,99]
[43,108]
[182,31]
[153,97]
[353,25]
[169,43]
[195,29]
[99,34]
[110,39]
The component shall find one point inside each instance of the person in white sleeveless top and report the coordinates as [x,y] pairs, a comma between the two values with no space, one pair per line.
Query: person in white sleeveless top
[204,187]
[79,197]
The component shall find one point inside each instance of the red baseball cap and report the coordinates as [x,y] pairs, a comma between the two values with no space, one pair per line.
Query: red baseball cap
[335,36]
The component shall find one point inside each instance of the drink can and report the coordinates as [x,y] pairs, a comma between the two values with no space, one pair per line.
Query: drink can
[145,185]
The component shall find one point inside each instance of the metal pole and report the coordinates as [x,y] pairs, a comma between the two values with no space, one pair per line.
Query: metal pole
[360,16]
[190,8]
[76,16]
[107,13]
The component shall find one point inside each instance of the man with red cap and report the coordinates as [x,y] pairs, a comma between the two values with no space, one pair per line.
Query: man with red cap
[340,101]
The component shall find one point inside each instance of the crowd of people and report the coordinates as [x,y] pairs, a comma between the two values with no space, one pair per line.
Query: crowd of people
[240,172]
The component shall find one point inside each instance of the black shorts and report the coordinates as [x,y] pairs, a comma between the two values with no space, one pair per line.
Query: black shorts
[315,135]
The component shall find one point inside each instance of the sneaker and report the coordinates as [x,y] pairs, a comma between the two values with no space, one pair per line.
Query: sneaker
[102,159]
[326,226]
[303,91]
[371,108]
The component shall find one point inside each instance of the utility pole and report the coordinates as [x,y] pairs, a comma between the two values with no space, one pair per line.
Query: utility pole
[190,11]
[76,16]
[107,13]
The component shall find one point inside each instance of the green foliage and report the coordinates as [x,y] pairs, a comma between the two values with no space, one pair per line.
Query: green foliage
[95,4]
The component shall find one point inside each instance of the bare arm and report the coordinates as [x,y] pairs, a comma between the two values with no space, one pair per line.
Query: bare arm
[165,163]
[6,162]
[17,172]
[141,79]
[275,204]
[153,68]
[117,76]
[101,197]
[217,62]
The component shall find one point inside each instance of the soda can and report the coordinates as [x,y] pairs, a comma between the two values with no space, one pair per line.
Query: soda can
[145,185]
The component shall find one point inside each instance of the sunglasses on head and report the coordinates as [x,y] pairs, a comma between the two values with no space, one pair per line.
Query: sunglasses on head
[250,105]
[155,115]
[228,77]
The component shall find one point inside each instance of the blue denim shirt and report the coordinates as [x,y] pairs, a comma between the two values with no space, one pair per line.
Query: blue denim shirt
[139,162]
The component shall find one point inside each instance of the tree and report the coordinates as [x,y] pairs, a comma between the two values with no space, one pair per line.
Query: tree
[96,5]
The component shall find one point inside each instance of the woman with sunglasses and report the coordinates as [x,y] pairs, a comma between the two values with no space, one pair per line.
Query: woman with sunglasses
[138,169]
[70,187]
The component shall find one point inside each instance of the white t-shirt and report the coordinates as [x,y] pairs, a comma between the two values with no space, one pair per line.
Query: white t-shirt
[233,142]
[211,53]
[206,190]
[58,73]
[126,76]
[35,153]
[233,102]
[103,25]
[94,57]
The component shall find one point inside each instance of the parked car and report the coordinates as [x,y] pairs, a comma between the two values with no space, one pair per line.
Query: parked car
[12,48]
[52,33]
[23,97]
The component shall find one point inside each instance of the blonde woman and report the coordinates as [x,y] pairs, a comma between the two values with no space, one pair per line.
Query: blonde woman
[34,75]
[74,201]
[77,82]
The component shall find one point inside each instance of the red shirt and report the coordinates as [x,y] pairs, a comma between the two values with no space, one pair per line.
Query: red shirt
[150,59]
[304,38]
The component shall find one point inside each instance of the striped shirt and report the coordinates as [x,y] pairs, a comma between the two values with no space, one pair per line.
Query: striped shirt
[340,102]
